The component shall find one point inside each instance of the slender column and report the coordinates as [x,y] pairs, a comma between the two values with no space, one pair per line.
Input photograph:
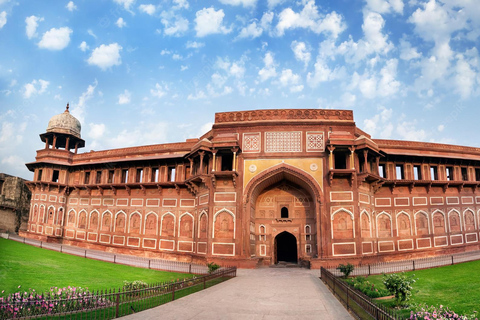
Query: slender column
[352,157]
[234,164]
[76,148]
[46,143]
[67,143]
[377,160]
[330,157]
[192,169]
[54,141]
[202,154]
[214,164]
[365,166]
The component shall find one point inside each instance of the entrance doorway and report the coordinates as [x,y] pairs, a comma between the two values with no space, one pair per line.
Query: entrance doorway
[286,247]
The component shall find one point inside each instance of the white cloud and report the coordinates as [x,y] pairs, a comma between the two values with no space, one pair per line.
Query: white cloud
[309,18]
[175,25]
[159,91]
[71,6]
[121,23]
[106,56]
[97,130]
[183,68]
[268,71]
[35,87]
[465,78]
[90,32]
[147,8]
[388,85]
[302,53]
[84,46]
[55,39]
[209,21]
[3,19]
[124,98]
[244,3]
[251,31]
[180,4]
[380,125]
[197,96]
[288,78]
[126,4]
[407,52]
[273,3]
[441,127]
[408,131]
[78,109]
[31,26]
[385,6]
[205,128]
[194,45]
[323,73]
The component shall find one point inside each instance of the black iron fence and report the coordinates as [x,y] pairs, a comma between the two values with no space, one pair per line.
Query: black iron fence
[157,264]
[356,302]
[409,265]
[106,304]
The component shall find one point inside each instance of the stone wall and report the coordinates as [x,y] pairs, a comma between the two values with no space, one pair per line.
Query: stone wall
[14,203]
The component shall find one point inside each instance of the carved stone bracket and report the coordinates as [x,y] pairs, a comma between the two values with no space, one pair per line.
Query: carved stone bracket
[129,191]
[460,187]
[429,187]
[143,189]
[411,186]
[445,187]
[177,188]
[89,191]
[100,189]
[159,187]
[392,187]
[113,190]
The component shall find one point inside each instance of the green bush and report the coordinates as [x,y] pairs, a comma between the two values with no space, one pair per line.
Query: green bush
[400,285]
[366,287]
[346,269]
[134,285]
[212,266]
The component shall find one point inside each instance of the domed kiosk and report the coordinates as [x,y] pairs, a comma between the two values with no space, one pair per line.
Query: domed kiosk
[63,132]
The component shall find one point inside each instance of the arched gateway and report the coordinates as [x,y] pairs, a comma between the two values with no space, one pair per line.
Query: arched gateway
[283,203]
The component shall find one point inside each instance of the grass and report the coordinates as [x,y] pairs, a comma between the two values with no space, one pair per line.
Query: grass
[455,286]
[40,269]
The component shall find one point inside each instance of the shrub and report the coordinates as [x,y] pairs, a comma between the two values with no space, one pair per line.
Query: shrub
[432,312]
[134,285]
[400,285]
[366,287]
[346,269]
[212,266]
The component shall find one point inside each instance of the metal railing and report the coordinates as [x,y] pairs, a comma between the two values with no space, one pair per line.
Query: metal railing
[105,304]
[356,302]
[157,264]
[409,265]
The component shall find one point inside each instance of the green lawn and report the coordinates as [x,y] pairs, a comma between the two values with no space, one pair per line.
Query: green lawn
[455,286]
[31,267]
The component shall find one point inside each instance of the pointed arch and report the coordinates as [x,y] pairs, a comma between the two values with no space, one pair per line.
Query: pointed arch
[469,220]
[106,224]
[365,224]
[120,221]
[404,224]
[82,219]
[439,222]
[60,216]
[225,227]
[135,222]
[50,218]
[384,225]
[93,220]
[71,217]
[167,224]
[41,215]
[203,225]
[34,215]
[151,223]
[342,226]
[186,225]
[454,221]
[422,223]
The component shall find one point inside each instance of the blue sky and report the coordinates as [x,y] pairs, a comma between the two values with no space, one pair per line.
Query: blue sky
[139,72]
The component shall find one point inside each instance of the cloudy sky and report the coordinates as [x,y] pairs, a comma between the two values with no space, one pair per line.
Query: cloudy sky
[142,72]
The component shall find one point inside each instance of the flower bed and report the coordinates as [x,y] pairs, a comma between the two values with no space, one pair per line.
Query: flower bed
[439,313]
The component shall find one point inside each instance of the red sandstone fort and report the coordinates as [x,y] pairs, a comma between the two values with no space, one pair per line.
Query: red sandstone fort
[262,186]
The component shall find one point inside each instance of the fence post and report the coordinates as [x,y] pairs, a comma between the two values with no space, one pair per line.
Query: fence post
[204,284]
[190,268]
[61,249]
[117,305]
[348,306]
[42,243]
[114,258]
[173,291]
[413,265]
[85,253]
[149,263]
[369,270]
[452,260]
[23,240]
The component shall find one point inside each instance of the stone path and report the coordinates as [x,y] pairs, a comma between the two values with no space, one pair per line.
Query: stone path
[267,293]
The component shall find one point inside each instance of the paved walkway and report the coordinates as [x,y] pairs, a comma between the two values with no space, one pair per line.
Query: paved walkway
[267,293]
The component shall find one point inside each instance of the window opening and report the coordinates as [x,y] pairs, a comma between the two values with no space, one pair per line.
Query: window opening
[227,161]
[340,160]
[171,174]
[433,173]
[449,171]
[39,177]
[111,175]
[464,174]
[284,213]
[417,173]
[477,174]
[139,175]
[154,177]
[400,175]
[55,176]
[381,171]
[98,180]
[124,175]
[187,172]
[86,179]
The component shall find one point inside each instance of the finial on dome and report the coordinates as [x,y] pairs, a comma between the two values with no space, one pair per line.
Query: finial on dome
[68,106]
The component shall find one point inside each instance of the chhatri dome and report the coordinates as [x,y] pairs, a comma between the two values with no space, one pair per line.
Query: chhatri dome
[65,123]
[63,132]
